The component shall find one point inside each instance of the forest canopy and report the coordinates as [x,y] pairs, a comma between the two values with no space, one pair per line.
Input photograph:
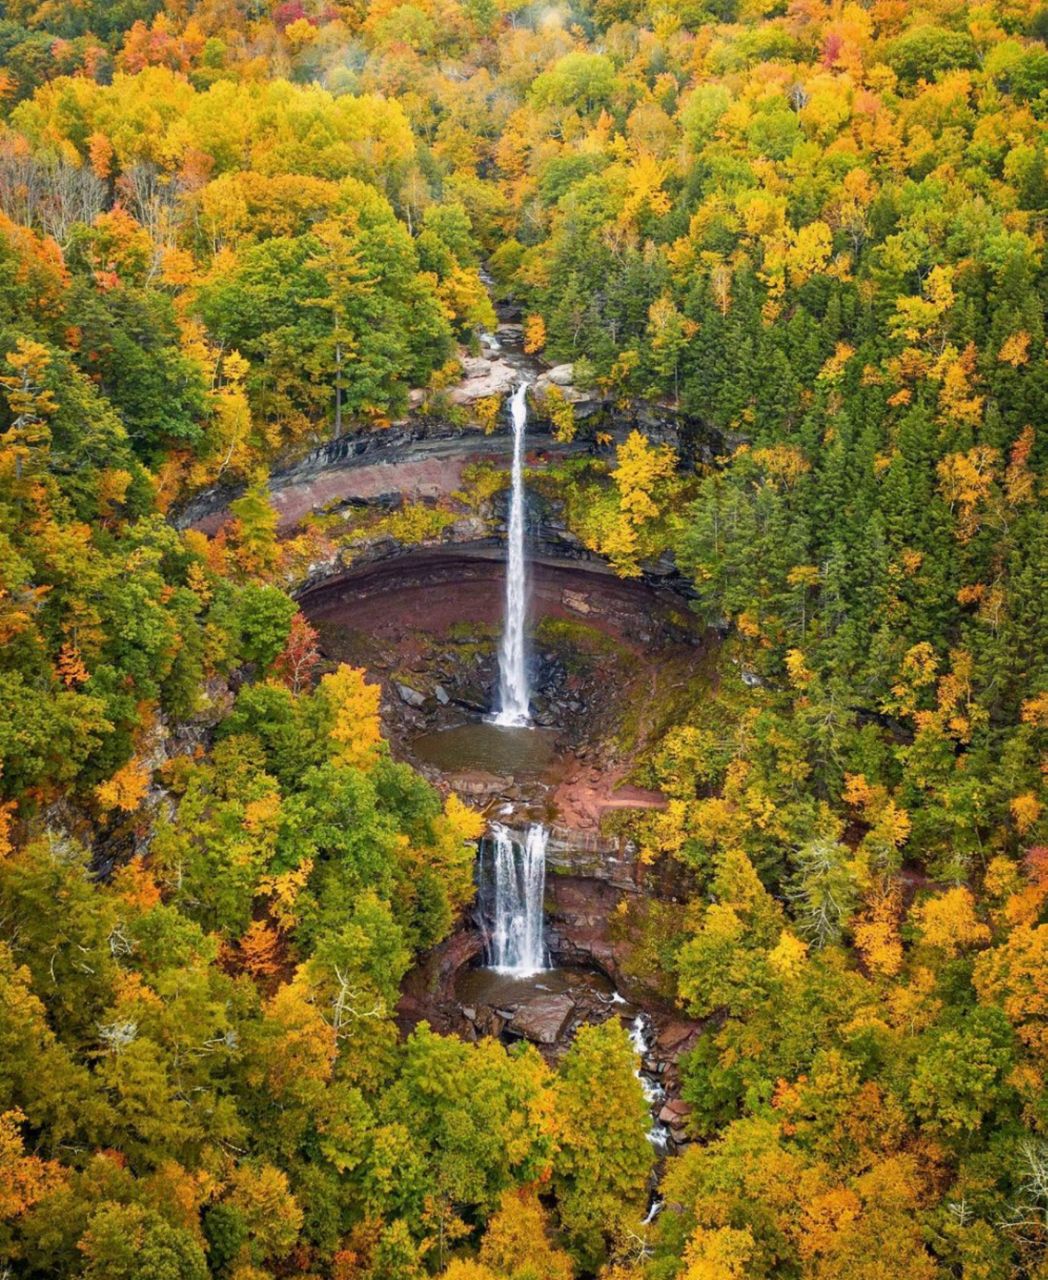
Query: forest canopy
[813,232]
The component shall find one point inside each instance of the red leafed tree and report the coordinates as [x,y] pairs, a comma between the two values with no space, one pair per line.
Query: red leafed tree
[296,664]
[832,46]
[292,11]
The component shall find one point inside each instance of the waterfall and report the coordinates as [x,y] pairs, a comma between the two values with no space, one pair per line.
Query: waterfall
[519,874]
[514,698]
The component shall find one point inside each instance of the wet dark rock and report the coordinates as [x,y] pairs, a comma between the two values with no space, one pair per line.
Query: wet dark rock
[544,1019]
[428,991]
[478,784]
[484,1020]
[471,702]
[676,1038]
[674,1115]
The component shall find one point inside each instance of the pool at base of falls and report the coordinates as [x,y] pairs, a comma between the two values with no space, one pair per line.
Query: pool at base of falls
[489,747]
[507,990]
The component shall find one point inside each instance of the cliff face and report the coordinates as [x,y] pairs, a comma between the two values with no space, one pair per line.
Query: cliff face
[424,457]
[433,588]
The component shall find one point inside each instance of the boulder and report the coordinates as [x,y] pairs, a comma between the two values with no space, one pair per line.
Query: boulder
[674,1116]
[411,696]
[544,1019]
[483,378]
[676,1037]
[675,1113]
[478,784]
[572,394]
[561,375]
[489,1022]
[468,529]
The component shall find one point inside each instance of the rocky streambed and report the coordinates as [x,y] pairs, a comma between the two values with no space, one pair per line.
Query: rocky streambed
[546,1009]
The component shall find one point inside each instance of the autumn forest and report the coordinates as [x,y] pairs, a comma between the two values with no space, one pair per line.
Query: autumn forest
[523,640]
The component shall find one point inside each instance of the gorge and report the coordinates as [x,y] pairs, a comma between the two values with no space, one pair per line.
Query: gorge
[508,656]
[520,672]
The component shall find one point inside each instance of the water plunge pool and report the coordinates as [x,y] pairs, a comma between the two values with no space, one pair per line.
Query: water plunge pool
[508,990]
[491,748]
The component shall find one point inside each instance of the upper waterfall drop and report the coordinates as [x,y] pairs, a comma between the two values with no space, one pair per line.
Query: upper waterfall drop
[514,694]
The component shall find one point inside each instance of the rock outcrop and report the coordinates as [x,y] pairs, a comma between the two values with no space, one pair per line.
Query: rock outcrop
[482,378]
[424,456]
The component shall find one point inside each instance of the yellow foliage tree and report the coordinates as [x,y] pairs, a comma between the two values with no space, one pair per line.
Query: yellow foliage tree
[534,334]
[1015,976]
[516,1243]
[29,400]
[718,1253]
[561,413]
[949,923]
[1026,810]
[7,810]
[259,950]
[125,789]
[1015,350]
[642,468]
[270,1212]
[809,251]
[877,932]
[24,1179]
[354,704]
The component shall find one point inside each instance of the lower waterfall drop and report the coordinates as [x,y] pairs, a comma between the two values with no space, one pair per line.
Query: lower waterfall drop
[518,944]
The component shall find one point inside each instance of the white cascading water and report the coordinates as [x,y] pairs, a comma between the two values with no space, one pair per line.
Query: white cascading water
[654,1094]
[519,885]
[514,695]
